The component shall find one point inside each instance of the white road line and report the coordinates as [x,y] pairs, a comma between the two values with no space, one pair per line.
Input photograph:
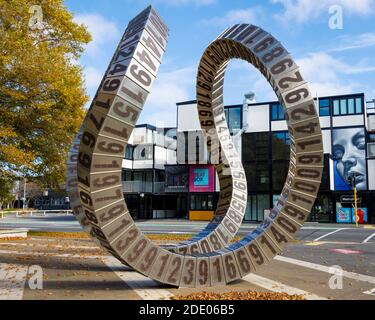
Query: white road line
[137,281]
[370,292]
[12,281]
[328,234]
[319,267]
[14,244]
[51,254]
[279,287]
[369,238]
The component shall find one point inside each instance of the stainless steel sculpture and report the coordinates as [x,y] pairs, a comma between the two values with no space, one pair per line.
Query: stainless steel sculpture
[95,160]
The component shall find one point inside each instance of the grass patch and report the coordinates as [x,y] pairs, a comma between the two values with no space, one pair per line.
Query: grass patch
[68,235]
[151,236]
[6,239]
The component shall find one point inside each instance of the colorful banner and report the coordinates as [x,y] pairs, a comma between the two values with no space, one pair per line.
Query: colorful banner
[361,215]
[201,178]
[343,215]
[346,215]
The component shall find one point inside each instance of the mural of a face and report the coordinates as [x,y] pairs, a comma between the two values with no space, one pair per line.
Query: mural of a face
[349,153]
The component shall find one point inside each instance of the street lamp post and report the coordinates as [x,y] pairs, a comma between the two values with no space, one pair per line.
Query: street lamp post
[353,183]
[24,195]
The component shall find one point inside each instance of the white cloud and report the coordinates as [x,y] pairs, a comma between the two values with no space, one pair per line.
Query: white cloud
[247,15]
[93,77]
[188,2]
[326,75]
[301,11]
[169,88]
[361,41]
[103,31]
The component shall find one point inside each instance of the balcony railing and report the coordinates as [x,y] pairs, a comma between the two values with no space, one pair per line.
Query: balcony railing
[159,187]
[136,186]
[371,149]
[371,123]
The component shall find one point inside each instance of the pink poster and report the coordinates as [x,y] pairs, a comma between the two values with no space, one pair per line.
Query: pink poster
[201,178]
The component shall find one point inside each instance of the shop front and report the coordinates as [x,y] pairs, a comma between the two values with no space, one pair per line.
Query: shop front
[201,189]
[345,208]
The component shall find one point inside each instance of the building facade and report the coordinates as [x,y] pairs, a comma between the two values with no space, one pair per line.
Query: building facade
[175,179]
[143,175]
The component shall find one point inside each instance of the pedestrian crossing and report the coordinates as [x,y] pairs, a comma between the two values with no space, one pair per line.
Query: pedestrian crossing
[13,276]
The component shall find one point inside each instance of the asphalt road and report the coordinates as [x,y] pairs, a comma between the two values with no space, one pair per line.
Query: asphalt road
[78,269]
[310,232]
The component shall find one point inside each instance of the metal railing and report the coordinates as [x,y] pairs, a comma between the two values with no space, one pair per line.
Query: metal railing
[371,150]
[159,187]
[136,186]
[32,213]
[371,123]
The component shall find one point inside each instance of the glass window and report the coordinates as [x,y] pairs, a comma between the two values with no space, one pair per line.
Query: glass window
[250,170]
[262,177]
[325,184]
[263,203]
[358,105]
[210,202]
[255,146]
[324,107]
[279,173]
[347,106]
[351,106]
[192,202]
[234,122]
[343,107]
[159,176]
[126,175]
[257,176]
[336,107]
[138,176]
[281,112]
[148,176]
[277,112]
[280,146]
[143,152]
[204,202]
[129,152]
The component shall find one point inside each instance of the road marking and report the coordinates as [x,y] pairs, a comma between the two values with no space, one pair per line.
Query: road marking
[340,242]
[137,281]
[368,238]
[279,287]
[316,243]
[51,254]
[12,281]
[319,267]
[328,234]
[346,251]
[368,227]
[47,245]
[370,292]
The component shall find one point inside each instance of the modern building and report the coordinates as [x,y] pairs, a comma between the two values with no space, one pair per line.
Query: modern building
[167,172]
[147,153]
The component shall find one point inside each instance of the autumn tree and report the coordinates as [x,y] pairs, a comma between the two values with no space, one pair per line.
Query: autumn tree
[42,94]
[6,191]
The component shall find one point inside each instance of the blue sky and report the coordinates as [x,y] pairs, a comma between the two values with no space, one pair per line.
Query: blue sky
[334,61]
